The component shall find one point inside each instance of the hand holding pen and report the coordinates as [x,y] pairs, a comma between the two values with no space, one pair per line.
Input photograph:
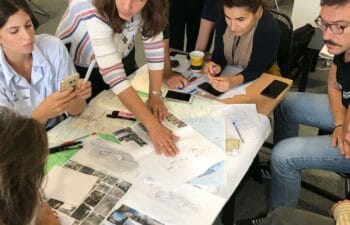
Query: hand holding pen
[211,69]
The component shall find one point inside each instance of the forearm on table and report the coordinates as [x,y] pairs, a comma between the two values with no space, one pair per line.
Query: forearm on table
[135,105]
[236,80]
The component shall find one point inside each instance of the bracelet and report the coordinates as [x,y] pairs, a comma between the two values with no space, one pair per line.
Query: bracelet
[156,92]
[336,126]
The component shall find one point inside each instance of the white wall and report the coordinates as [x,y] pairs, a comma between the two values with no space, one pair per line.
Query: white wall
[305,11]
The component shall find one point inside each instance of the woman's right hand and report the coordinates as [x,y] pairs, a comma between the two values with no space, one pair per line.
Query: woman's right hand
[54,105]
[163,140]
[211,69]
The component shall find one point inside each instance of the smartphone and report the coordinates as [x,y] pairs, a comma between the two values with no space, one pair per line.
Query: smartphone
[70,81]
[178,96]
[208,88]
[274,89]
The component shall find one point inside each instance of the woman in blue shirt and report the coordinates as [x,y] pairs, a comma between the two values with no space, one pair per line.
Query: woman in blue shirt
[32,67]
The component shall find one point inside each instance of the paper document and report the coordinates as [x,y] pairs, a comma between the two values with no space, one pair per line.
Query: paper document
[185,205]
[237,90]
[68,185]
[97,204]
[135,154]
[183,63]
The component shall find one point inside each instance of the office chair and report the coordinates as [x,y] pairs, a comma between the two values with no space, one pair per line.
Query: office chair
[285,47]
[326,194]
[37,10]
[284,54]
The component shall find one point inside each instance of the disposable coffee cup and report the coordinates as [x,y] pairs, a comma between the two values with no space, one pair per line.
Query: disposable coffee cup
[196,60]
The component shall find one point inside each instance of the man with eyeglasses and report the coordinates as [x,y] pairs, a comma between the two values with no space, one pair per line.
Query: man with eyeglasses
[292,154]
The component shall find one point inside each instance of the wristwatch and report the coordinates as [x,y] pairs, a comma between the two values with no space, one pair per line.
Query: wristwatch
[156,92]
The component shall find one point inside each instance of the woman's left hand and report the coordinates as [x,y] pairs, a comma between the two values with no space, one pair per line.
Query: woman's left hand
[84,90]
[221,84]
[156,105]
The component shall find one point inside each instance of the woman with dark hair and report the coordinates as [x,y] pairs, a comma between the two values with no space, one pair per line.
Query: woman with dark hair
[249,40]
[105,30]
[23,154]
[31,68]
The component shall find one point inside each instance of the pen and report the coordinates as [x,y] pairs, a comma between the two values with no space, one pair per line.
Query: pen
[68,143]
[76,139]
[122,115]
[65,148]
[238,132]
[88,73]
[192,91]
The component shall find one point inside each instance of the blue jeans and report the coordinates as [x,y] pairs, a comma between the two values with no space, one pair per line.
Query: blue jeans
[291,155]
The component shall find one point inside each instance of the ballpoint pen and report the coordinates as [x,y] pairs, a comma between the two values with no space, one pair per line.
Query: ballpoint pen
[76,139]
[66,148]
[238,132]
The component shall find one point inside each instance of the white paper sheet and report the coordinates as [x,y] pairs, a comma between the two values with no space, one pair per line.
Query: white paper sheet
[184,63]
[237,90]
[179,206]
[64,132]
[197,154]
[64,219]
[68,185]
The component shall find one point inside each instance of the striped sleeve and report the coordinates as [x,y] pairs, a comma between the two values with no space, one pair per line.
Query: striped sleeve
[106,53]
[154,51]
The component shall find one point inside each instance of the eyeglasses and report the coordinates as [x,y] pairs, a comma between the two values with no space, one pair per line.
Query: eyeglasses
[336,28]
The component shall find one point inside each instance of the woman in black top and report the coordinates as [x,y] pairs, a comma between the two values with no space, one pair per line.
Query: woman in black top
[249,40]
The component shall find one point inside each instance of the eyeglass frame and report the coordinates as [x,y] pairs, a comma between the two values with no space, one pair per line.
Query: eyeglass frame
[323,26]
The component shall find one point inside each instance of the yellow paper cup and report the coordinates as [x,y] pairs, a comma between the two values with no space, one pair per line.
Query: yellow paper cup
[196,60]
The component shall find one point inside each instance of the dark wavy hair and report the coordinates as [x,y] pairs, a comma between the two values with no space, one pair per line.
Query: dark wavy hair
[250,5]
[154,15]
[10,7]
[23,154]
[334,2]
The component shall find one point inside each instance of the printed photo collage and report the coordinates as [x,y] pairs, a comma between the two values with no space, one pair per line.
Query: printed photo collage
[106,192]
[129,134]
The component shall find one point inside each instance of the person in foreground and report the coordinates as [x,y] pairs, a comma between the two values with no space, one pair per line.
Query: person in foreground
[105,30]
[23,154]
[243,44]
[32,67]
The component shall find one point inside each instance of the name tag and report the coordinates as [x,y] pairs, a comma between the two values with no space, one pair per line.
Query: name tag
[21,102]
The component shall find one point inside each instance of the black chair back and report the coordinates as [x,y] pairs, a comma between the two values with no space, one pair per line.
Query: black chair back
[285,47]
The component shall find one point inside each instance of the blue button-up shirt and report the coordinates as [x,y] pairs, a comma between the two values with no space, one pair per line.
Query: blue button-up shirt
[51,63]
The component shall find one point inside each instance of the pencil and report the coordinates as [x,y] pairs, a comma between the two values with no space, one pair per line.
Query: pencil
[238,132]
